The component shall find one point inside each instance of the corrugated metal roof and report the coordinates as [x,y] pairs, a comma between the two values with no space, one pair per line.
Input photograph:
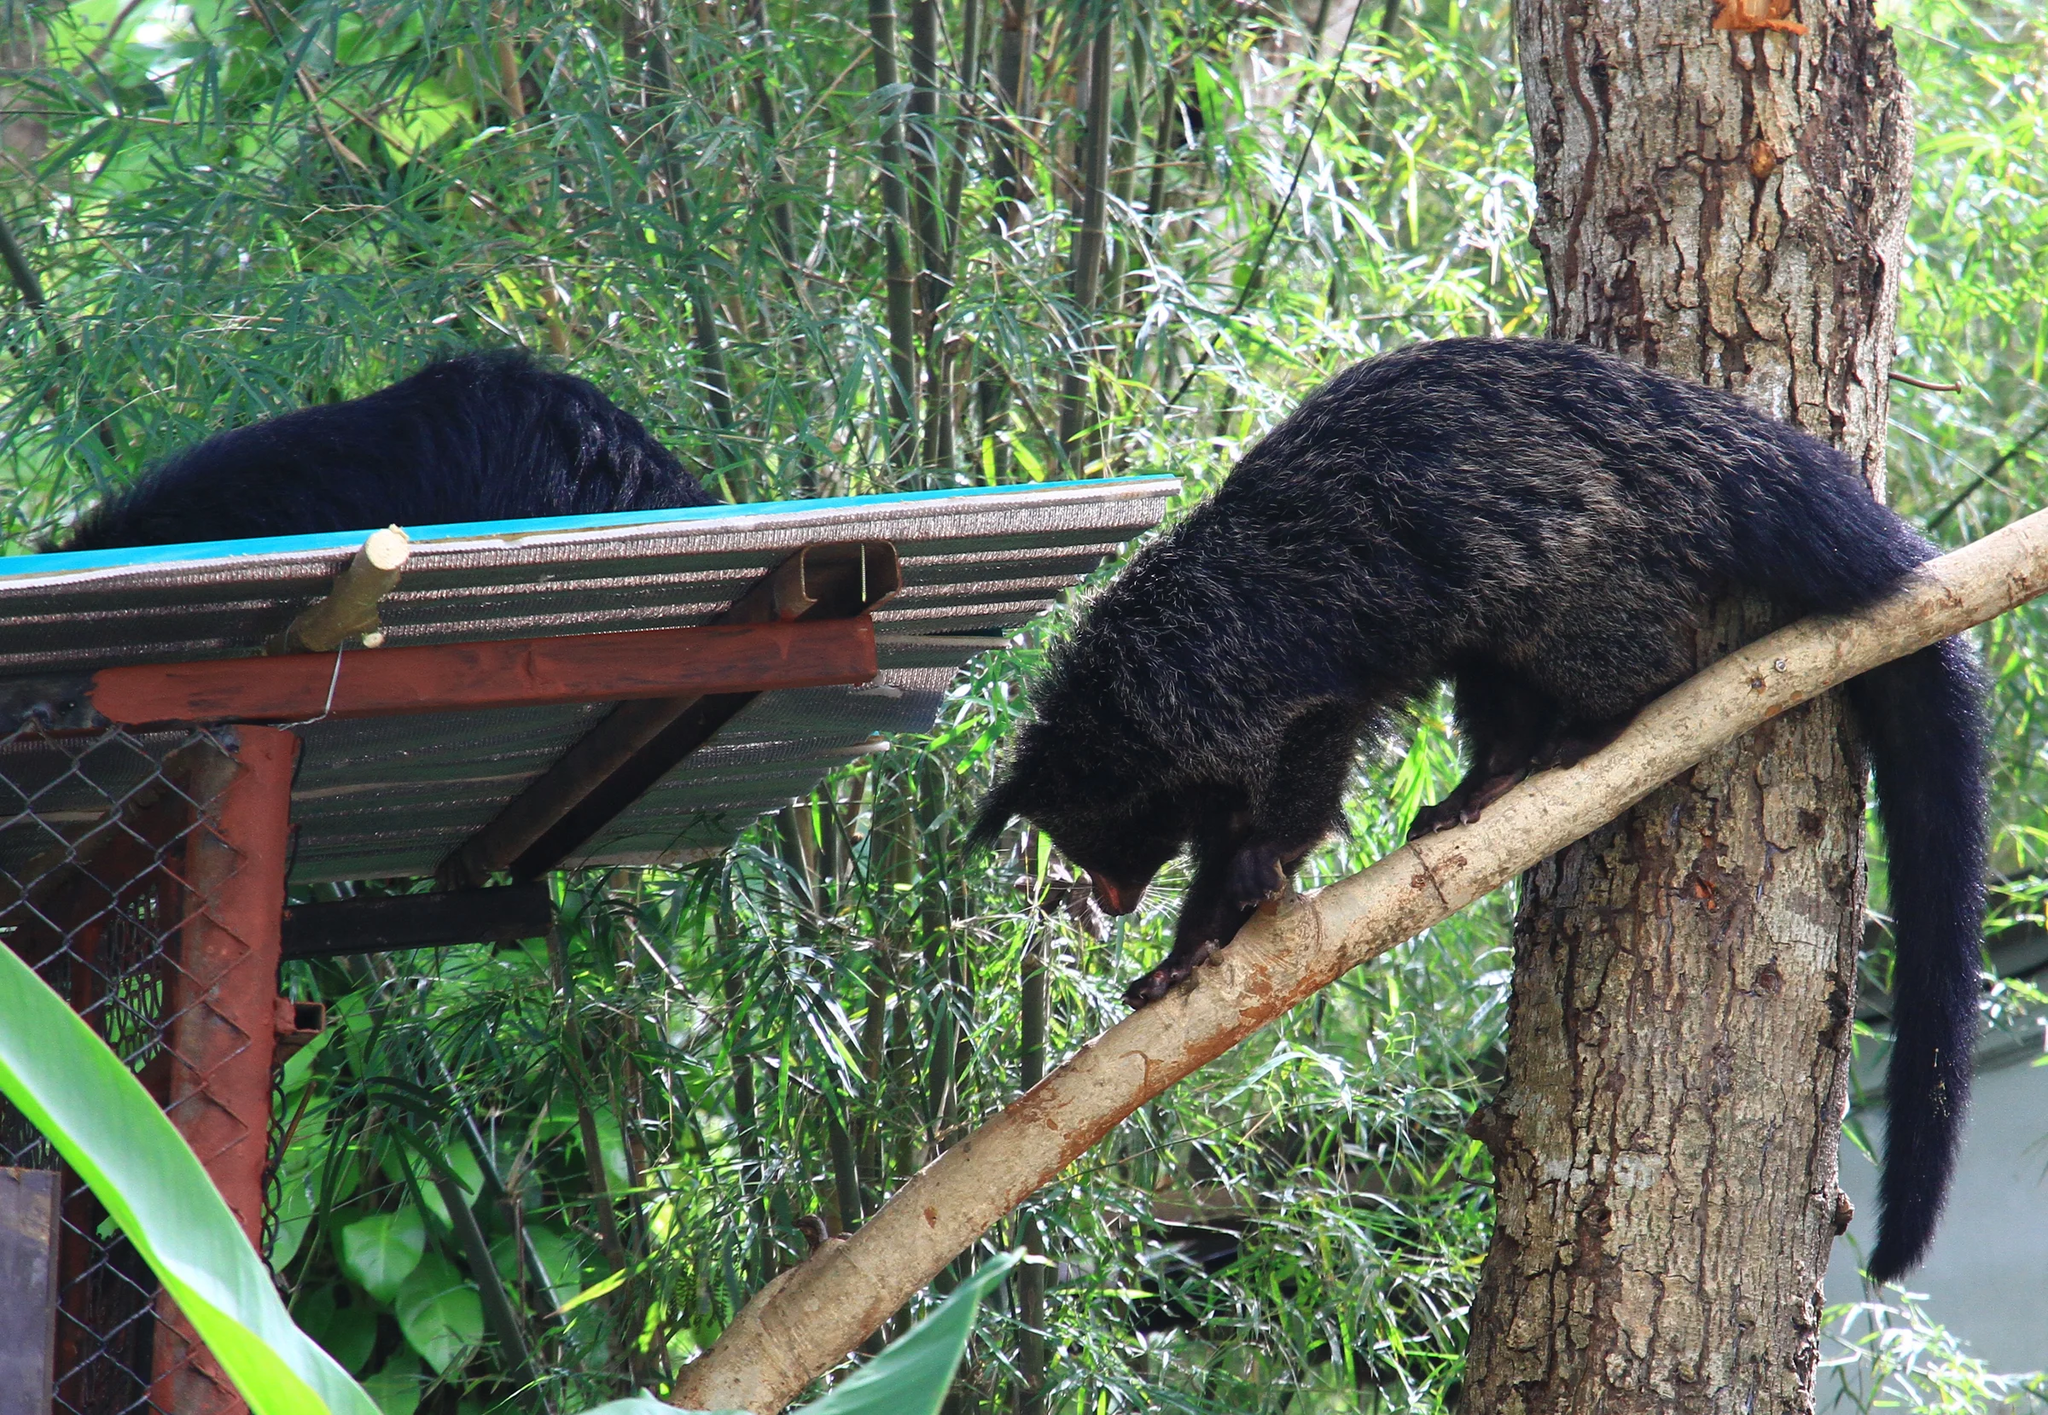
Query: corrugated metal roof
[391,796]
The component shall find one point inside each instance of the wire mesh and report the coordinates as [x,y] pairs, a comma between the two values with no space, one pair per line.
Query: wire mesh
[99,838]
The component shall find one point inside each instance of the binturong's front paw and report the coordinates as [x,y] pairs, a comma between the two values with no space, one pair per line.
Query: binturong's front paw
[1176,969]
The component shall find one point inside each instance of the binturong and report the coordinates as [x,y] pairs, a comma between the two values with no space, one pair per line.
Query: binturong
[478,437]
[1544,527]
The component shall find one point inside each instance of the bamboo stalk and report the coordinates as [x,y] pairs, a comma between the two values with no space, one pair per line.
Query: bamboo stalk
[780,223]
[1014,103]
[660,88]
[1088,241]
[1165,144]
[900,278]
[1287,954]
[845,1172]
[963,126]
[921,138]
[1123,170]
[609,1242]
[746,1115]
[1030,1278]
[929,205]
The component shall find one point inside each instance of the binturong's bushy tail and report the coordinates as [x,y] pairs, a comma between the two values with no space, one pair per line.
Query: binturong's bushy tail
[1923,718]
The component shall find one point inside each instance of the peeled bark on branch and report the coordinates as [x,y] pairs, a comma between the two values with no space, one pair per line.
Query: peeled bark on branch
[812,1316]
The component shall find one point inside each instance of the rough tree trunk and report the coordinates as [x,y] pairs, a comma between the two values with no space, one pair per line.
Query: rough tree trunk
[1727,204]
[23,135]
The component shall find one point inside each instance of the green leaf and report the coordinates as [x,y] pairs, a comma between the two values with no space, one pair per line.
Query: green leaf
[440,1314]
[397,1387]
[912,1375]
[295,1204]
[416,1162]
[79,1094]
[559,1257]
[381,1251]
[349,1333]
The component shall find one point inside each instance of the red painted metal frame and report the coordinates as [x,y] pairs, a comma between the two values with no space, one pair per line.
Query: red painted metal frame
[580,668]
[222,1041]
[223,1036]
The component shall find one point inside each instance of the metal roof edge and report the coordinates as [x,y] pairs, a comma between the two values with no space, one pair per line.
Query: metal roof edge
[20,570]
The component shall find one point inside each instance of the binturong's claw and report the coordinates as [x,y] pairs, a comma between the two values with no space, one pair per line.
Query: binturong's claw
[1431,819]
[1156,984]
[1176,970]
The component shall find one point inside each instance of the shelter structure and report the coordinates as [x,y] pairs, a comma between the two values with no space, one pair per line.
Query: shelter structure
[189,732]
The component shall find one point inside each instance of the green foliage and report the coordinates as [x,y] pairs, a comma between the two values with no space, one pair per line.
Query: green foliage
[58,1073]
[551,1173]
[1889,1356]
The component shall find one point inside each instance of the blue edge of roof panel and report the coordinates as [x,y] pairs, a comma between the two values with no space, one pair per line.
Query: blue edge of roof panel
[59,562]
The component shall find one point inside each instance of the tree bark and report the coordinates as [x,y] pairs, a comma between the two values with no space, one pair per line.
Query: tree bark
[24,137]
[1727,204]
[805,1322]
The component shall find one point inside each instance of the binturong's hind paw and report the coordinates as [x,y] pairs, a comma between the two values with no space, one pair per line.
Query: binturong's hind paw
[1455,809]
[1168,975]
[1257,873]
[1462,807]
[1431,819]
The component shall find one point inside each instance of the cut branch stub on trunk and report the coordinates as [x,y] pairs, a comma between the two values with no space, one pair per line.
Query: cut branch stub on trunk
[814,1315]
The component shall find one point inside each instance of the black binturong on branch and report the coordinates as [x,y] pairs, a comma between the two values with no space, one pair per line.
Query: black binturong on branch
[1543,526]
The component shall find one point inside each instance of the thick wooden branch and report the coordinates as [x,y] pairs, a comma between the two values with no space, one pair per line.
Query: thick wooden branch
[811,1317]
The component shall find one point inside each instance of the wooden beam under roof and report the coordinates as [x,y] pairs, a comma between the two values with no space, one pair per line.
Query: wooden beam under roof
[638,743]
[575,668]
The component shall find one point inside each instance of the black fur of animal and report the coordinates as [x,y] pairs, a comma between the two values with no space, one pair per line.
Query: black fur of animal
[1542,526]
[482,436]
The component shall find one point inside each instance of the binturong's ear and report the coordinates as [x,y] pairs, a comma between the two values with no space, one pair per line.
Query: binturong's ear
[1011,795]
[996,809]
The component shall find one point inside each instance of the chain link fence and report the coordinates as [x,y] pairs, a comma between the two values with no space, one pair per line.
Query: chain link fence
[113,864]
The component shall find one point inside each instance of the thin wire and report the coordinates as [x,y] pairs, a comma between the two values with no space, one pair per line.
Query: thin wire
[327,710]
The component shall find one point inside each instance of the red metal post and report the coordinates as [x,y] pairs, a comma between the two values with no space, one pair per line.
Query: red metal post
[223,1034]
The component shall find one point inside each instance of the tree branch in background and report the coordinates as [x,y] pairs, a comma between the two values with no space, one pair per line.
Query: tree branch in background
[24,277]
[817,1313]
[1983,478]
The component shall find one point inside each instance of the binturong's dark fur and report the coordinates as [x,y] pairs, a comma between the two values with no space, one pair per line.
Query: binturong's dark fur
[1542,526]
[484,436]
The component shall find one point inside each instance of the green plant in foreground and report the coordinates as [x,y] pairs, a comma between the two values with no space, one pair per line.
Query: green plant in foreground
[99,1117]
